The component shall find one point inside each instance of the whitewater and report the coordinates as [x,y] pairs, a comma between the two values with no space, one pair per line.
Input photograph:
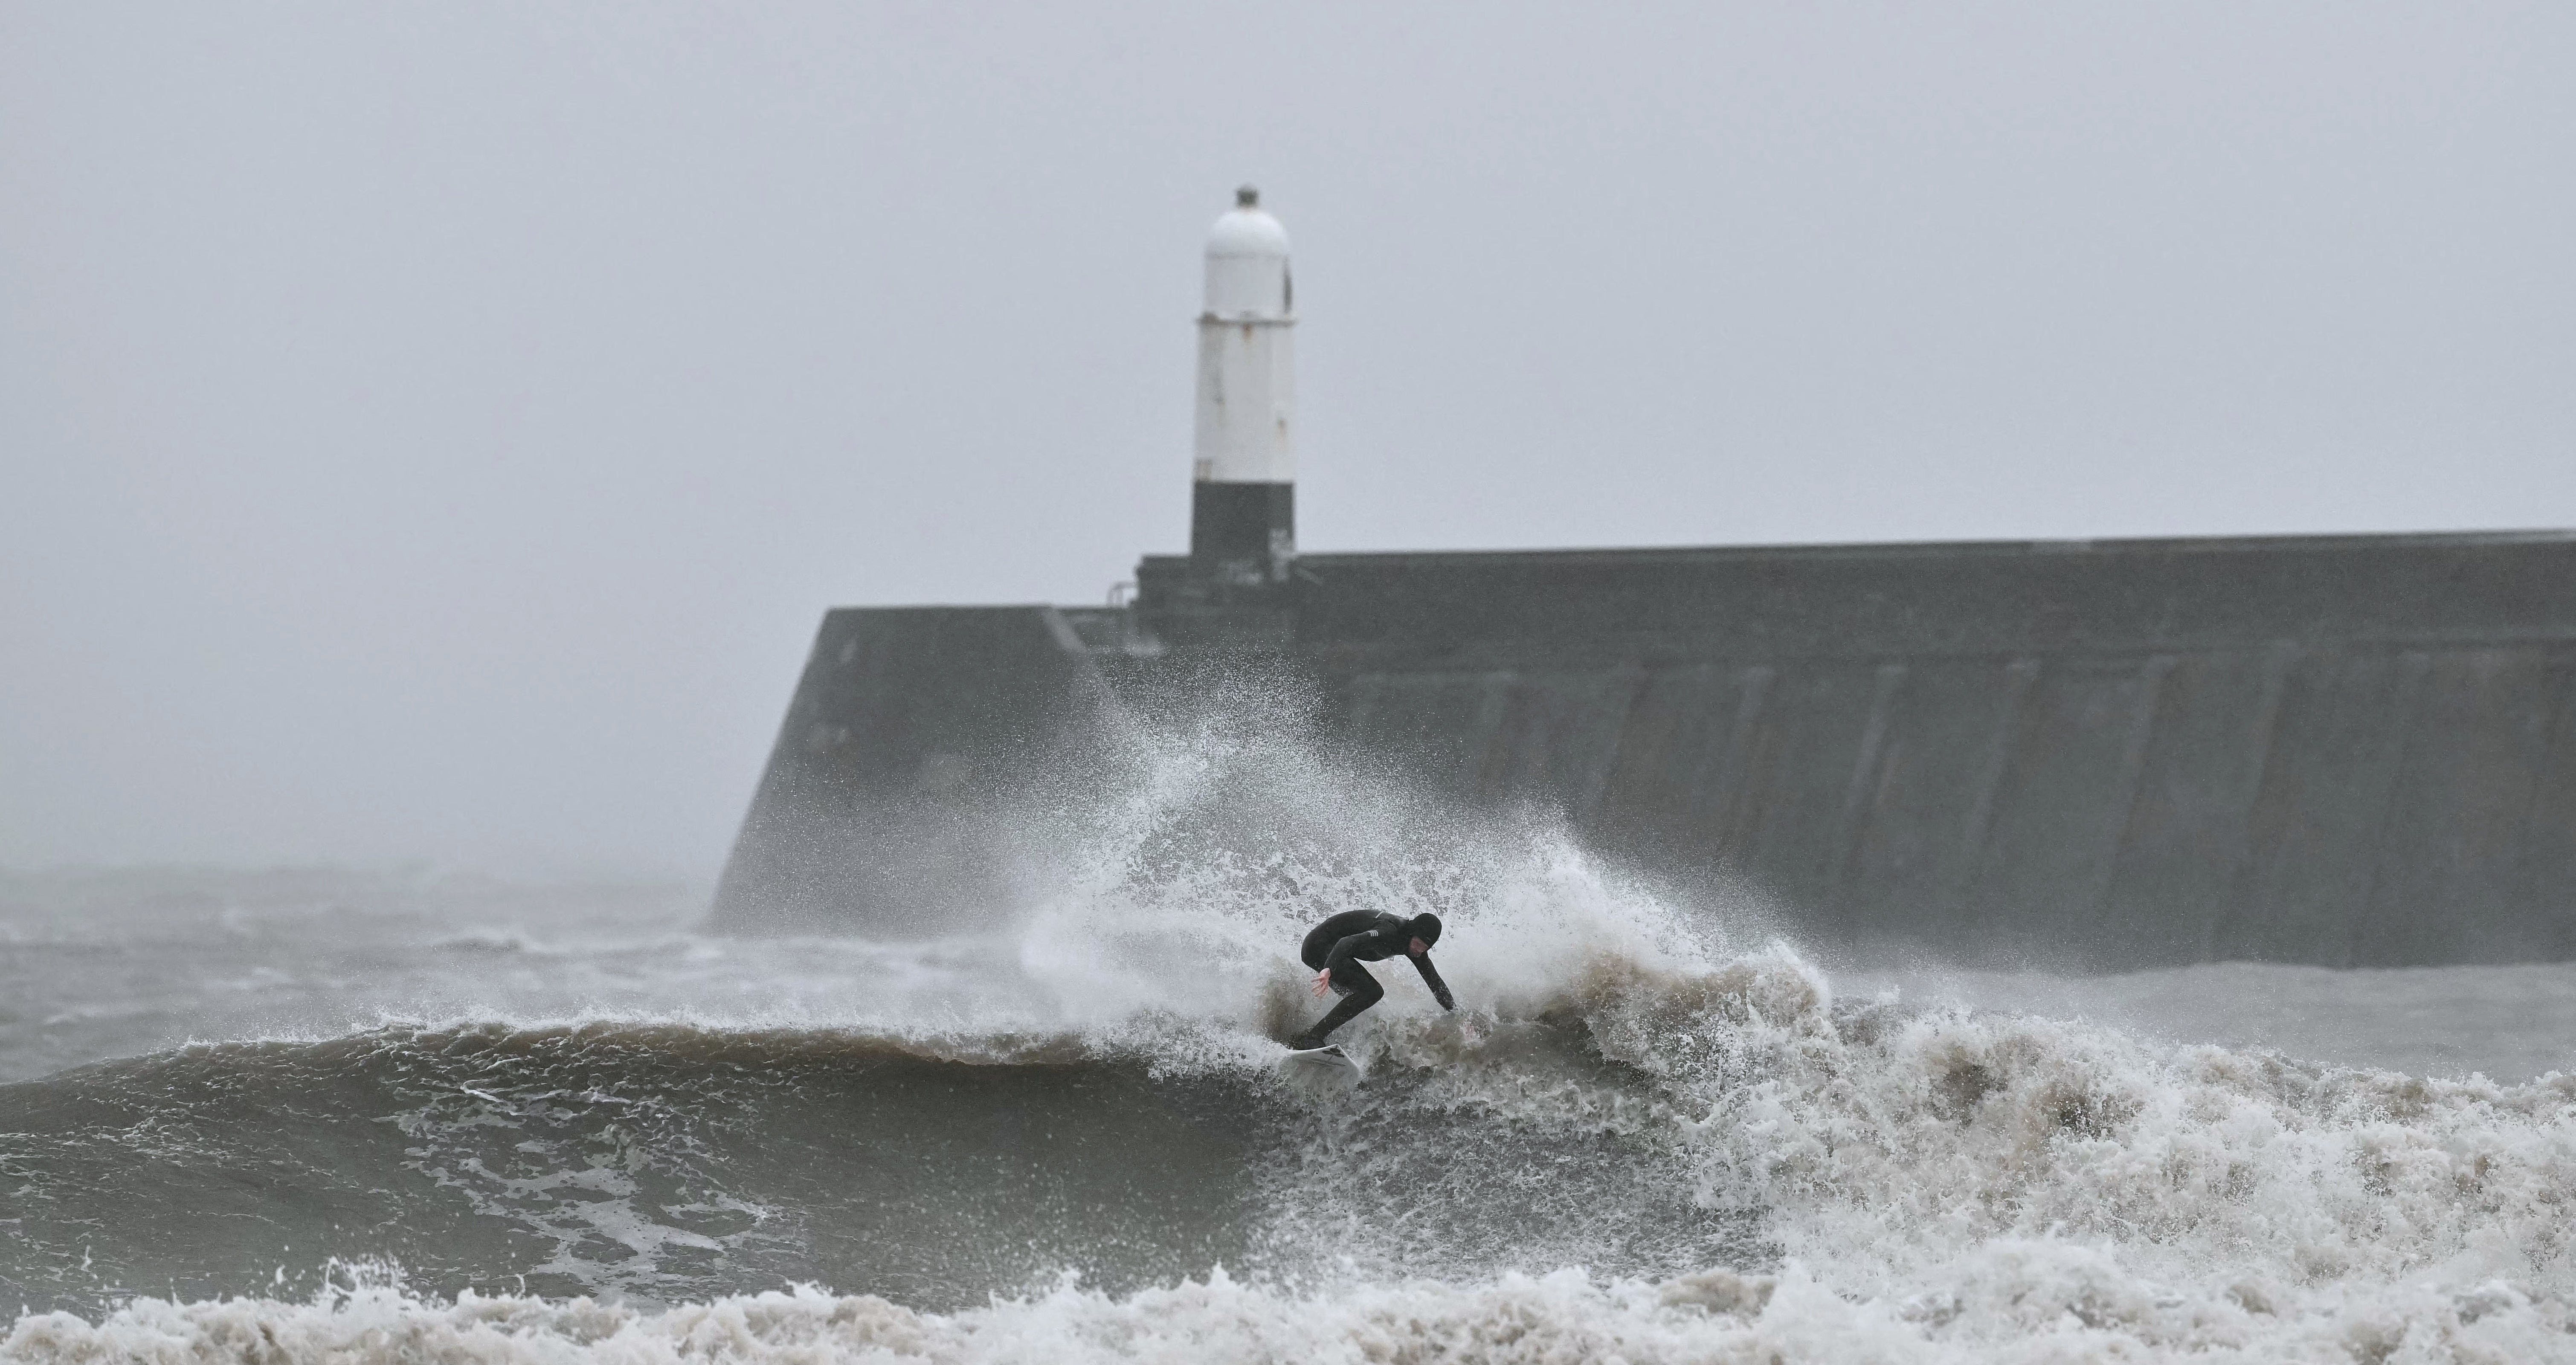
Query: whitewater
[333,1115]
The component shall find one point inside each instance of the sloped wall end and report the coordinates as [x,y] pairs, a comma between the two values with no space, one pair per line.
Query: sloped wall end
[893,796]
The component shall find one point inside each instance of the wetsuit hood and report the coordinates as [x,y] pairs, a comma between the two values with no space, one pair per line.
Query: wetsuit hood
[1426,927]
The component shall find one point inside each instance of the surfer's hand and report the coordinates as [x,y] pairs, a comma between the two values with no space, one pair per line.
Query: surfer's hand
[1323,984]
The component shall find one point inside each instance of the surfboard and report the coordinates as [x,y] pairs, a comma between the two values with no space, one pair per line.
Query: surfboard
[1320,1073]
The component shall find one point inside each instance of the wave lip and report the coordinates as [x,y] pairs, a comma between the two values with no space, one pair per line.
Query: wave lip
[661,1162]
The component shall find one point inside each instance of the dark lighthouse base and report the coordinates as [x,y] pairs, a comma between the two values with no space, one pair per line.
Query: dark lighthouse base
[1242,535]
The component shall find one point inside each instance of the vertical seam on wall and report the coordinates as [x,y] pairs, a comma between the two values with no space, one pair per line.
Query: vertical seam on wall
[2524,883]
[1493,703]
[2278,662]
[1873,738]
[1710,753]
[2131,775]
[1729,776]
[2021,673]
[2415,670]
[1606,754]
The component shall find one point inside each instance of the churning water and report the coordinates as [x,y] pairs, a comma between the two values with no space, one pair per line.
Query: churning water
[340,1116]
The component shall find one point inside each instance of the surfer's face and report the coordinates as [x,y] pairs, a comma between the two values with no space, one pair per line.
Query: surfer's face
[1417,947]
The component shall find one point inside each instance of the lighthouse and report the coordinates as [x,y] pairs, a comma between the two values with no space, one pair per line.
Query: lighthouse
[1243,521]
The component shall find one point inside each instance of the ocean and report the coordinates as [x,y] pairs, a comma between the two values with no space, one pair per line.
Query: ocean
[344,1115]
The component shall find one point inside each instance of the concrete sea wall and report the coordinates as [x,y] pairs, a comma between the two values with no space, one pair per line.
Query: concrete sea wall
[2350,751]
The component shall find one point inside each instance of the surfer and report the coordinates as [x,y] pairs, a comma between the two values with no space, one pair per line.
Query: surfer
[1337,947]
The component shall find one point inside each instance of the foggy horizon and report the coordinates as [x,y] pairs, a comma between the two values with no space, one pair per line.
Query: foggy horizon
[432,437]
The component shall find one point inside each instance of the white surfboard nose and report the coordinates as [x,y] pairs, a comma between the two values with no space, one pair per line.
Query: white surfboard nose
[1322,1074]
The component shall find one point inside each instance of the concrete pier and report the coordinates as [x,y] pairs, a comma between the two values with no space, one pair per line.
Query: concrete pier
[2349,751]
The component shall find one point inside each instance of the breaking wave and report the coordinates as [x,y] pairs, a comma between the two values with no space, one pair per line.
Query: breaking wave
[1647,1161]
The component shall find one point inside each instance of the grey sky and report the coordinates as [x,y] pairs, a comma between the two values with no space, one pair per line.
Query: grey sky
[433,430]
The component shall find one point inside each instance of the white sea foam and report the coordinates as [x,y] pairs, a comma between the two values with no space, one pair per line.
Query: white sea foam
[2017,1302]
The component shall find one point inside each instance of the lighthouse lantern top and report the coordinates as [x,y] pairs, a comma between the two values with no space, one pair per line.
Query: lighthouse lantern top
[1247,263]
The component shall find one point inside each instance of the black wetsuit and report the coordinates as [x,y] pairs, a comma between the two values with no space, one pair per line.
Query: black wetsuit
[1340,944]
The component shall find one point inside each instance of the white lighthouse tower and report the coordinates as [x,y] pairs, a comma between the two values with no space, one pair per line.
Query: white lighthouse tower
[1243,519]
